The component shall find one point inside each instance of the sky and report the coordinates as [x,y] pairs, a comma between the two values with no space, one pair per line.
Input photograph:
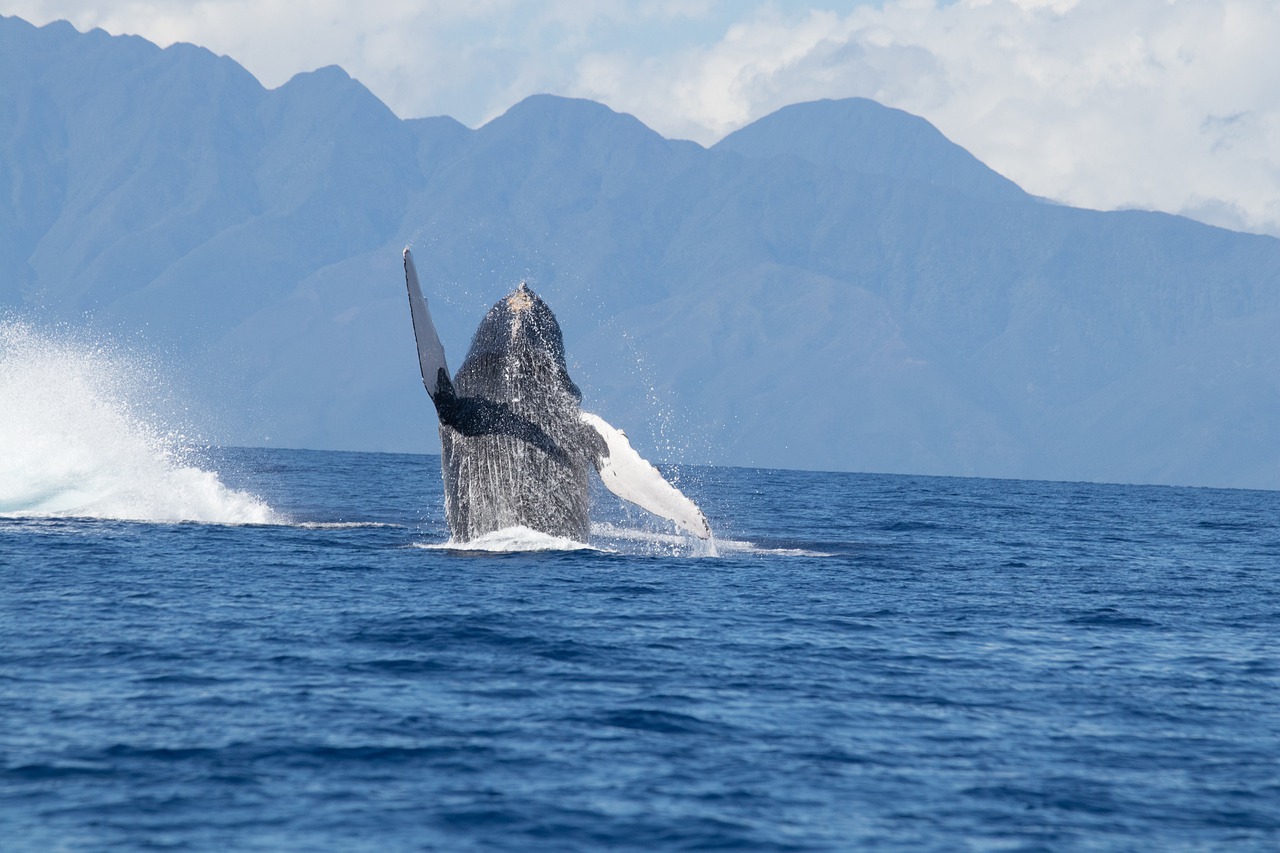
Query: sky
[1168,105]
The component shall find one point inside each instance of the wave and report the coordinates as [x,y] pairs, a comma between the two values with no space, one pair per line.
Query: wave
[79,438]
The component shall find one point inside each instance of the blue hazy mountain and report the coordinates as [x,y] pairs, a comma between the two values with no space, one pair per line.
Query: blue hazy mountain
[888,142]
[834,286]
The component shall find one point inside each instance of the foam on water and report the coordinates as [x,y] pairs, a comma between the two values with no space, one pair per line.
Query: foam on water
[513,539]
[627,539]
[606,538]
[635,540]
[610,538]
[342,525]
[78,439]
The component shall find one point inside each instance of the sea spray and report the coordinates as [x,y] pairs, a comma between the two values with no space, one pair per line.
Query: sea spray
[78,438]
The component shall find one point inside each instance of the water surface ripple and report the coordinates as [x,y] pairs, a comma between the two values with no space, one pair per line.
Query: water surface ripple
[890,663]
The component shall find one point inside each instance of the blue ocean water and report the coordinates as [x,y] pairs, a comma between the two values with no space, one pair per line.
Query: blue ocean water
[871,662]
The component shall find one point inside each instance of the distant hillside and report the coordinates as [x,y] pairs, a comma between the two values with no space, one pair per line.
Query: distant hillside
[836,286]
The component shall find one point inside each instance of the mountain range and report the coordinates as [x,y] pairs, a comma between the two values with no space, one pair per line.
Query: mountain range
[835,286]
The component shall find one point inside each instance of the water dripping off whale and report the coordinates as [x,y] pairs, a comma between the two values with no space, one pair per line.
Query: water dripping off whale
[516,447]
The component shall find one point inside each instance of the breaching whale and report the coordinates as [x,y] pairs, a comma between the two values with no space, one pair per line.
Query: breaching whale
[516,449]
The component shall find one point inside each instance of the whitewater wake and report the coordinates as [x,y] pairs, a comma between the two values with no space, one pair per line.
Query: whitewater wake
[512,540]
[606,538]
[612,539]
[78,439]
[675,544]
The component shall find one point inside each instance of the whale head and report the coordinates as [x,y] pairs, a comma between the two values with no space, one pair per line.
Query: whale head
[521,334]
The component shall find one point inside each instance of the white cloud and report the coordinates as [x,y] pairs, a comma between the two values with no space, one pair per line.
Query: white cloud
[1146,103]
[1168,104]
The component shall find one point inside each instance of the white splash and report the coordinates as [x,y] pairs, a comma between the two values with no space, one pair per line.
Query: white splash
[513,539]
[606,538]
[627,539]
[612,539]
[652,543]
[77,440]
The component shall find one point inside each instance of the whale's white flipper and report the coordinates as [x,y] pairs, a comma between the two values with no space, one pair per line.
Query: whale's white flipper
[630,477]
[430,350]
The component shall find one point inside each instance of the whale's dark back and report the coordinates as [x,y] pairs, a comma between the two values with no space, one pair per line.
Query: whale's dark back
[514,449]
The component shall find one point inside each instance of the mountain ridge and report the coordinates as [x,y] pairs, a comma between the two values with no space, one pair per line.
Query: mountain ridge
[858,134]
[833,286]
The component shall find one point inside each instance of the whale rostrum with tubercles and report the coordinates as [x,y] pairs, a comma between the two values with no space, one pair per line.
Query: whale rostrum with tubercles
[516,448]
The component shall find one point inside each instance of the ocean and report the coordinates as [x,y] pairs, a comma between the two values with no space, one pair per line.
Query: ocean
[866,662]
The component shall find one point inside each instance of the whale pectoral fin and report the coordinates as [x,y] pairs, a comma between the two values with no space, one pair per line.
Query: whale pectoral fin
[630,477]
[435,372]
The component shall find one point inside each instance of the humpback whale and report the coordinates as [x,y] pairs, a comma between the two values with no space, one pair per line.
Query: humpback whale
[516,448]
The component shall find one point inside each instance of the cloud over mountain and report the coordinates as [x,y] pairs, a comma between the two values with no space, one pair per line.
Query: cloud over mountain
[836,285]
[1145,104]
